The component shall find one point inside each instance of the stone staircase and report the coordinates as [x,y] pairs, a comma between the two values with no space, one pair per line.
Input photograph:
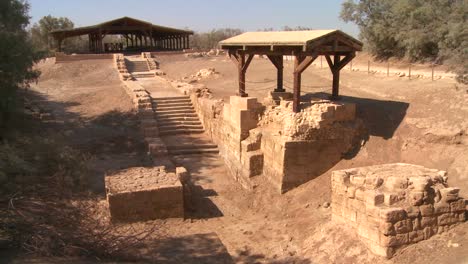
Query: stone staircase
[138,68]
[179,124]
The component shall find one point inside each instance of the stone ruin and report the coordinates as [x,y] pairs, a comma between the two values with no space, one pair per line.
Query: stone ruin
[394,205]
[277,143]
[138,194]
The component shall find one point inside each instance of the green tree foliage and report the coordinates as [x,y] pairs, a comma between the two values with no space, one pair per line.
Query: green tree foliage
[40,31]
[16,55]
[420,30]
[209,40]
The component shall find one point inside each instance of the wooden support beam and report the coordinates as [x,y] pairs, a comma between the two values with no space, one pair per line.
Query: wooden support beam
[335,66]
[239,58]
[297,83]
[278,63]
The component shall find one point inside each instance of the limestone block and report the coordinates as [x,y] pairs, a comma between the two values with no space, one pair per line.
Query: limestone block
[393,241]
[449,194]
[441,208]
[413,212]
[243,103]
[392,214]
[427,210]
[416,198]
[387,228]
[403,226]
[391,199]
[415,236]
[374,198]
[346,112]
[458,206]
[150,131]
[140,194]
[182,174]
[428,221]
[253,162]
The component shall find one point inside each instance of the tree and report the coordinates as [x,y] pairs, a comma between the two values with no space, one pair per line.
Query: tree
[16,53]
[420,30]
[209,40]
[40,31]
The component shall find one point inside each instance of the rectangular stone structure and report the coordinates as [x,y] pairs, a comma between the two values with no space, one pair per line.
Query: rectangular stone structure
[140,194]
[394,205]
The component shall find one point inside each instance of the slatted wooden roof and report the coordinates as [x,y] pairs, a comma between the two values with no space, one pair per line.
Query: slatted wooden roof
[304,41]
[124,25]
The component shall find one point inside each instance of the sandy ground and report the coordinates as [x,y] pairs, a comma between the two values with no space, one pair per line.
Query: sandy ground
[415,121]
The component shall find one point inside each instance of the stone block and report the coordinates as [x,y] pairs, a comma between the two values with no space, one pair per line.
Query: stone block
[393,241]
[413,212]
[182,174]
[391,199]
[253,162]
[403,226]
[441,208]
[416,198]
[360,195]
[243,103]
[351,192]
[428,221]
[392,215]
[449,194]
[458,206]
[140,194]
[415,236]
[427,210]
[373,198]
[346,112]
[387,228]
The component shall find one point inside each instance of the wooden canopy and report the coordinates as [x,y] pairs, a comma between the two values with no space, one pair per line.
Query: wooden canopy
[306,46]
[138,34]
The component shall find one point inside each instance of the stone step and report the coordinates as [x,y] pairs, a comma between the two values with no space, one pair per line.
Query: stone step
[170,99]
[195,146]
[174,123]
[179,126]
[183,111]
[143,75]
[193,151]
[170,108]
[162,117]
[165,105]
[180,131]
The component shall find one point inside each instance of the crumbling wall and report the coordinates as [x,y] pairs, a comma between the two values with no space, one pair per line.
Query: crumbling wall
[287,148]
[394,205]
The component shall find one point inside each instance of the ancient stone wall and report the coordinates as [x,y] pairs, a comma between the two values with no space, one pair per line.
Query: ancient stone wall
[287,148]
[60,57]
[391,206]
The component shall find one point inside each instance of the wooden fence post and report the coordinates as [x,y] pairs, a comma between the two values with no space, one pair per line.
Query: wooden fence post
[432,75]
[409,71]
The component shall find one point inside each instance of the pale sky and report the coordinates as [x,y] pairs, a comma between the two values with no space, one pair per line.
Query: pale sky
[201,15]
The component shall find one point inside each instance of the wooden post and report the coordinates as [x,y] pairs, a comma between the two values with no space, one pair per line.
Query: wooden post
[278,63]
[409,71]
[432,71]
[242,65]
[335,66]
[300,64]
[336,77]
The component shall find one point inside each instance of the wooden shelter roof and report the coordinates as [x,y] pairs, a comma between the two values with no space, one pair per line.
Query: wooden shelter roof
[306,40]
[123,25]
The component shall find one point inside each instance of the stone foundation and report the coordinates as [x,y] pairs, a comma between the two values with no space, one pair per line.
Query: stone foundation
[394,205]
[139,194]
[287,148]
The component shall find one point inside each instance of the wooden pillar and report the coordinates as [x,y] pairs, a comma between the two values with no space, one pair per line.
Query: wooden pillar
[335,66]
[278,62]
[242,65]
[301,63]
[336,78]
